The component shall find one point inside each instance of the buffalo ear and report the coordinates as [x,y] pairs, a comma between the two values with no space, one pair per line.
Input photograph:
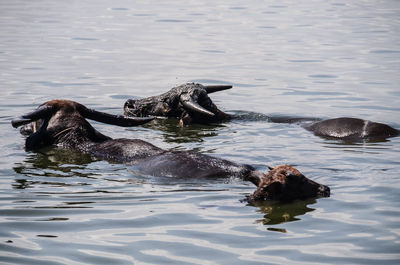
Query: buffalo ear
[294,177]
[274,186]
[274,189]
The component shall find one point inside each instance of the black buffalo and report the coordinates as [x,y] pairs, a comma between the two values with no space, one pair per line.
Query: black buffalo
[190,103]
[63,123]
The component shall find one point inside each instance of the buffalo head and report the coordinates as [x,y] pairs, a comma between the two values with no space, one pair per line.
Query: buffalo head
[286,183]
[63,122]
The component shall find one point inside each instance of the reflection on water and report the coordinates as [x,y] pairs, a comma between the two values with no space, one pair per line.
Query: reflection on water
[294,59]
[53,163]
[51,157]
[278,213]
[173,133]
[58,167]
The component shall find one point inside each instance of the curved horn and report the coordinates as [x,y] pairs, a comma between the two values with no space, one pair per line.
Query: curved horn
[212,89]
[43,111]
[194,106]
[118,120]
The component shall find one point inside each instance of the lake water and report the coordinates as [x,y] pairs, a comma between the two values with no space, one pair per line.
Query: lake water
[321,59]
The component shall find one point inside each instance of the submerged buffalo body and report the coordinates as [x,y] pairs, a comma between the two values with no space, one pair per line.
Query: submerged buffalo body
[190,104]
[352,129]
[63,123]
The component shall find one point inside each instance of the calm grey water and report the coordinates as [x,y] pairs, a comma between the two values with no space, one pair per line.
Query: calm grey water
[310,58]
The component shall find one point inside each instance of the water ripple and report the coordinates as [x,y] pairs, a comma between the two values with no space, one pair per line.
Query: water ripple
[297,59]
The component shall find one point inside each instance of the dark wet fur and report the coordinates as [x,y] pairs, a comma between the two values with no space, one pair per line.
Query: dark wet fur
[352,129]
[286,183]
[64,125]
[168,105]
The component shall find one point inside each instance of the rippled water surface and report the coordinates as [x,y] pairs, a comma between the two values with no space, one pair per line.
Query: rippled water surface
[320,59]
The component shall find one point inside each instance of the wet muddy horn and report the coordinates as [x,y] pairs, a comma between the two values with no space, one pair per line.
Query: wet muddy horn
[190,104]
[107,118]
[42,112]
[216,88]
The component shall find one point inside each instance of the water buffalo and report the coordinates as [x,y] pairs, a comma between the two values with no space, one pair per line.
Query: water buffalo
[63,123]
[190,103]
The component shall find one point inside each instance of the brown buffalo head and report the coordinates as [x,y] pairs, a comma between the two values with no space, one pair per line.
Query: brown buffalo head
[286,183]
[63,122]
